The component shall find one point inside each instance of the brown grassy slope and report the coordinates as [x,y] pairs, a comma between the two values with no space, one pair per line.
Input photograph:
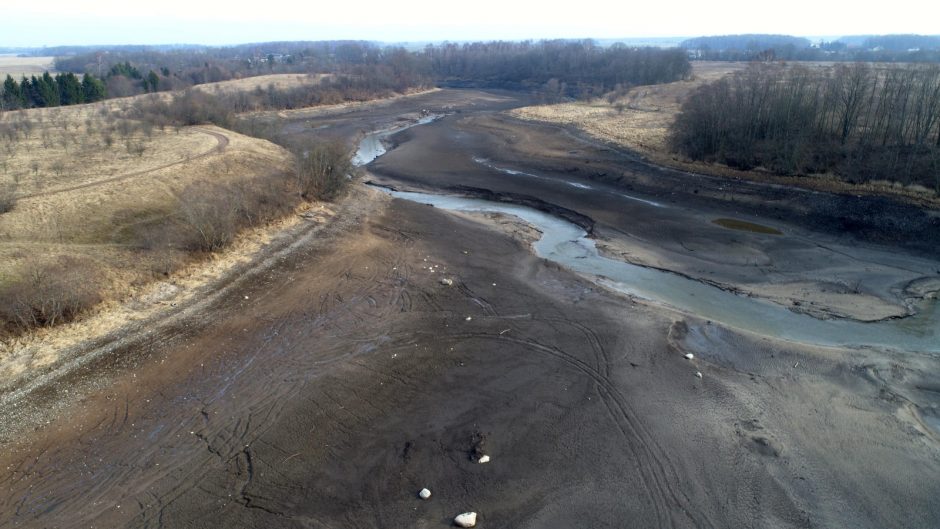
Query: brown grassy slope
[86,178]
[84,208]
[284,81]
[640,121]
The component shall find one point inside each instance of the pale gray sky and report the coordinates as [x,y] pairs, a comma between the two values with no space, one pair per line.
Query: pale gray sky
[57,22]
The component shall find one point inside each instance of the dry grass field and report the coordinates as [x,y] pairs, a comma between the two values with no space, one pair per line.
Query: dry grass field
[20,66]
[640,120]
[278,81]
[87,178]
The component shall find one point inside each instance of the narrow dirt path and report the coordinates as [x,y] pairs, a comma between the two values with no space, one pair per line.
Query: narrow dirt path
[222,142]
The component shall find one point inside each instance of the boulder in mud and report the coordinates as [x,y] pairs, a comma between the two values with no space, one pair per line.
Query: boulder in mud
[467,519]
[424,494]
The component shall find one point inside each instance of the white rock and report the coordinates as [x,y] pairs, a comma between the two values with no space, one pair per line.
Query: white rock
[469,318]
[483,459]
[424,494]
[689,356]
[467,519]
[447,282]
[698,374]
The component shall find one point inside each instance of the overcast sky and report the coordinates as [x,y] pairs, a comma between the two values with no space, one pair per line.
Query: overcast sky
[58,22]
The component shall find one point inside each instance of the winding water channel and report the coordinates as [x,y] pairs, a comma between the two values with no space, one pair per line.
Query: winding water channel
[567,244]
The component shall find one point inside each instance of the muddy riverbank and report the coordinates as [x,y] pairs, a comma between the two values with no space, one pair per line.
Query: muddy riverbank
[345,376]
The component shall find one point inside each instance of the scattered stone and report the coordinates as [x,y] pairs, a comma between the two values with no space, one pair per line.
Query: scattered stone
[689,356]
[447,282]
[246,297]
[424,494]
[698,374]
[467,519]
[483,459]
[469,318]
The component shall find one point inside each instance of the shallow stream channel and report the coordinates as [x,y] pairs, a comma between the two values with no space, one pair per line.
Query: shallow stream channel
[567,244]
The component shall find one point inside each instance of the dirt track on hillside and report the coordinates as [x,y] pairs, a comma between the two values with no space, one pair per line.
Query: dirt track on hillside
[222,142]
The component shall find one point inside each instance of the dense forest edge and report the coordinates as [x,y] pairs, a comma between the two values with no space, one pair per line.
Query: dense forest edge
[858,122]
[855,48]
[557,69]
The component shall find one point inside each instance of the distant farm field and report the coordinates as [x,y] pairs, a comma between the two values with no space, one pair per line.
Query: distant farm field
[20,66]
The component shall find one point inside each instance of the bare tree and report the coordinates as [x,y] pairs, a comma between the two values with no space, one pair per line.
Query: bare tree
[323,170]
[210,217]
[7,196]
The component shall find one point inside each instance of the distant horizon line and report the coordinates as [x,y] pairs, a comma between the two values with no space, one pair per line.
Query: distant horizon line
[441,41]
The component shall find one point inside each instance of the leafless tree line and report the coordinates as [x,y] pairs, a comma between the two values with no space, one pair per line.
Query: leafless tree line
[859,121]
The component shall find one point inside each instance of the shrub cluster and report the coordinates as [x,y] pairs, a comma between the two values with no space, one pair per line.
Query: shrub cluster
[208,215]
[48,293]
[323,170]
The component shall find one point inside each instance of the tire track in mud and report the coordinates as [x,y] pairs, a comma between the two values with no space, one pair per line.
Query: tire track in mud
[486,306]
[374,296]
[223,444]
[227,447]
[658,473]
[601,356]
[227,430]
[211,442]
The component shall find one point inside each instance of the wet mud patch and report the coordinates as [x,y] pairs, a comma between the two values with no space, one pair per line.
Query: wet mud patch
[931,417]
[743,225]
[763,446]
